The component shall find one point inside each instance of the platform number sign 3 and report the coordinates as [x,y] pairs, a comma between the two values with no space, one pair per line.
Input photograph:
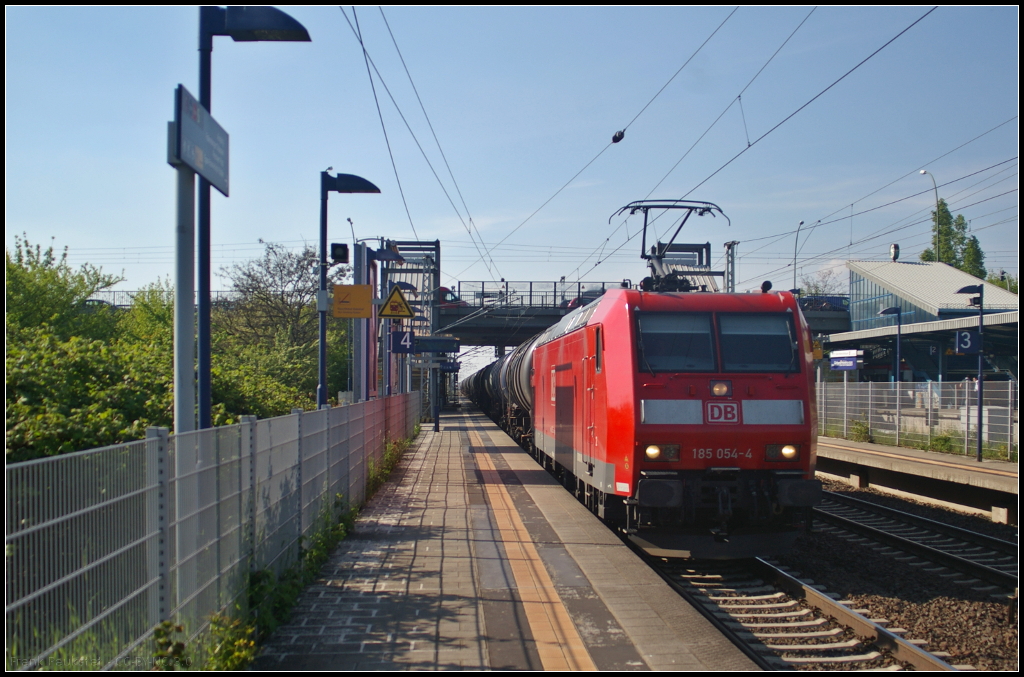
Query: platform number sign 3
[968,342]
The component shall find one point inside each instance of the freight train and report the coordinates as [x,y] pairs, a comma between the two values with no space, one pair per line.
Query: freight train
[686,419]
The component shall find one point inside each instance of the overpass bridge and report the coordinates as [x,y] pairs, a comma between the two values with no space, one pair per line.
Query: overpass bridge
[508,313]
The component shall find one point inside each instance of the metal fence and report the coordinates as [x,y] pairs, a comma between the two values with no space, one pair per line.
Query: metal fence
[931,415]
[103,545]
[531,294]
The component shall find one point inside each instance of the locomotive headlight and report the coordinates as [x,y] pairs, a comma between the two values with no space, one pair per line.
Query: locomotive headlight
[662,452]
[721,388]
[782,452]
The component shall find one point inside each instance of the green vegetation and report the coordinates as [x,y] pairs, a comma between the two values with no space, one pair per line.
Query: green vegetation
[860,431]
[945,442]
[1010,283]
[956,247]
[83,374]
[271,597]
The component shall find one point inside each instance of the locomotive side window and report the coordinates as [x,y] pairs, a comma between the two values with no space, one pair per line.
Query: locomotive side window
[758,342]
[676,342]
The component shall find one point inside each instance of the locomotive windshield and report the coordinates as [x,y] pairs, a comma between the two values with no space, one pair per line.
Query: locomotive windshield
[676,342]
[685,342]
[758,342]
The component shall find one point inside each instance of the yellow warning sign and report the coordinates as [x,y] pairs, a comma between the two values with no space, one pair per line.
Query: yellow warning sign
[353,300]
[395,305]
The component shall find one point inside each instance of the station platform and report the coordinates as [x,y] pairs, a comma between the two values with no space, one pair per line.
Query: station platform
[958,480]
[472,557]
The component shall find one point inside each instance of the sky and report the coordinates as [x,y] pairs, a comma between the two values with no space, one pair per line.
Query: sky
[524,103]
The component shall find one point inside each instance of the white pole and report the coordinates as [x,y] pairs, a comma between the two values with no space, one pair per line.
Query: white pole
[184,304]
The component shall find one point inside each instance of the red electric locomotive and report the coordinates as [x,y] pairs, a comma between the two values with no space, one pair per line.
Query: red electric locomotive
[685,418]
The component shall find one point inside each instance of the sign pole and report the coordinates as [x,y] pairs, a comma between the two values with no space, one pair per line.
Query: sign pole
[184,304]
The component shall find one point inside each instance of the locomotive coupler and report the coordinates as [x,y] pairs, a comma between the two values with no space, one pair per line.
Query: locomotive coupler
[721,532]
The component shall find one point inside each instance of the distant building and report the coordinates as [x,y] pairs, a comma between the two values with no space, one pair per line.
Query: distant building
[932,312]
[926,291]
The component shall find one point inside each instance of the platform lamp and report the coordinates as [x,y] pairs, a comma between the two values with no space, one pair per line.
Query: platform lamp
[979,301]
[342,183]
[935,187]
[898,312]
[241,24]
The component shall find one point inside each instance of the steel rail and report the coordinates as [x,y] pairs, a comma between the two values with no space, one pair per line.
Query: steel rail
[997,544]
[761,660]
[899,648]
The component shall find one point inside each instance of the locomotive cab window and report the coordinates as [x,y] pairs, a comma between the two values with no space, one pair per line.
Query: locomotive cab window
[758,342]
[676,342]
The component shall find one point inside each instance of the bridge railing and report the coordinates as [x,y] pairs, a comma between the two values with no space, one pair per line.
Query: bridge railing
[530,294]
[105,544]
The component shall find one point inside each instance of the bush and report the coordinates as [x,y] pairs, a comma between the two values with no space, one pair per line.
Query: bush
[860,431]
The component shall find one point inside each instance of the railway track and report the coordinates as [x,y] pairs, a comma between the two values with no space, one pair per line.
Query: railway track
[984,559]
[783,623]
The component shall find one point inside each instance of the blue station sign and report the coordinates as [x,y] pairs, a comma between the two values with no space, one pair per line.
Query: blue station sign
[845,363]
[197,141]
[430,344]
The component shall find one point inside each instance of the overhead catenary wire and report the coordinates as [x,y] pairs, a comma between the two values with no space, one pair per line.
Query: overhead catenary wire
[674,75]
[695,143]
[891,231]
[810,101]
[616,139]
[472,226]
[398,108]
[366,58]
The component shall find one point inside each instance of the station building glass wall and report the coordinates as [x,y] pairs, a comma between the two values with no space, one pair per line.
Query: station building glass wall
[867,298]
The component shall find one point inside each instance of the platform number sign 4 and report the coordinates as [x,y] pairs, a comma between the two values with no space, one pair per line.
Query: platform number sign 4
[968,342]
[402,342]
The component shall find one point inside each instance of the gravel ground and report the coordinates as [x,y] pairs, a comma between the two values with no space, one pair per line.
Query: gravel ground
[975,628]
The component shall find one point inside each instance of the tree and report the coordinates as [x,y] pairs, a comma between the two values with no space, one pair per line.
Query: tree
[956,247]
[974,259]
[825,282]
[273,321]
[43,289]
[277,293]
[1005,280]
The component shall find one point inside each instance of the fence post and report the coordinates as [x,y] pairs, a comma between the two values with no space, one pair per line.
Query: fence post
[928,414]
[1009,420]
[249,449]
[967,423]
[298,473]
[156,527]
[846,405]
[898,410]
[871,387]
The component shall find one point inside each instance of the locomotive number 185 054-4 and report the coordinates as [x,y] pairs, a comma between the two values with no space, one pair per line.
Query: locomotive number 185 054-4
[720,453]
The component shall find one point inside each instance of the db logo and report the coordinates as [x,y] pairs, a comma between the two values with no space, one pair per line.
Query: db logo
[723,412]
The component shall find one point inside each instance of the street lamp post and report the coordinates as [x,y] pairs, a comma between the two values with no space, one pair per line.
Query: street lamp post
[936,188]
[795,243]
[979,301]
[898,312]
[242,24]
[342,183]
